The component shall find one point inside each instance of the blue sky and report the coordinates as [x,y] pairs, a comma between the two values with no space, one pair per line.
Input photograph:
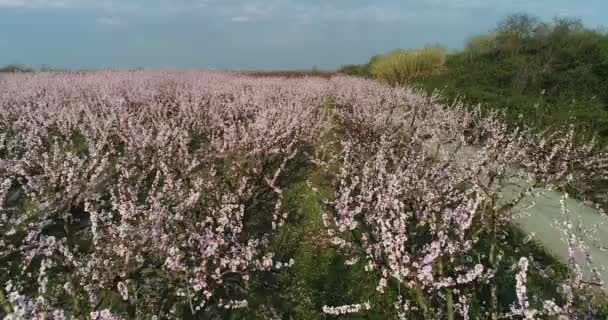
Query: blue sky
[249,34]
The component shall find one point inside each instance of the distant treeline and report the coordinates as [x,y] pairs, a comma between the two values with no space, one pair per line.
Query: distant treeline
[16,68]
[540,72]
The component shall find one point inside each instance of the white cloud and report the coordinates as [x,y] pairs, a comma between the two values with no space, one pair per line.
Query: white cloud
[111,22]
[309,11]
[35,3]
[240,19]
[123,6]
[11,3]
[253,10]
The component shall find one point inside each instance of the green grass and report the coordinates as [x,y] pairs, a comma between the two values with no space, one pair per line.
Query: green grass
[319,276]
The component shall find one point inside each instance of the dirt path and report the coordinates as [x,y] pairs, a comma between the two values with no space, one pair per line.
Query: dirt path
[543,215]
[546,213]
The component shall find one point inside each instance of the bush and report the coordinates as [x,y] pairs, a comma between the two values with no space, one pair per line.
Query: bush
[358,70]
[525,62]
[480,44]
[402,65]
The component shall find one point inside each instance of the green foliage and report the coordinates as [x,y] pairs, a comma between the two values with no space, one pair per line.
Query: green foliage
[401,66]
[359,70]
[542,73]
[479,45]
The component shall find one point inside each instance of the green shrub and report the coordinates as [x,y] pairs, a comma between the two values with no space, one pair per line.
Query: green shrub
[544,73]
[358,70]
[479,45]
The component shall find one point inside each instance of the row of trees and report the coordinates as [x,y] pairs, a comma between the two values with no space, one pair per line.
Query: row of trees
[181,195]
[15,68]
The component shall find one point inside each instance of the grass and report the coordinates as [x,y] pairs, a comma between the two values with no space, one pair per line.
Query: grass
[319,276]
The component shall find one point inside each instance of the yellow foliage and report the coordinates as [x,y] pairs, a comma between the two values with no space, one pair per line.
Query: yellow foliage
[402,65]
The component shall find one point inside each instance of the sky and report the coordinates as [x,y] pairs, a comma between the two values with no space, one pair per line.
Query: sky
[249,34]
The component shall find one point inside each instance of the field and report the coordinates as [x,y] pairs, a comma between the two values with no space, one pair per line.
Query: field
[289,74]
[280,195]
